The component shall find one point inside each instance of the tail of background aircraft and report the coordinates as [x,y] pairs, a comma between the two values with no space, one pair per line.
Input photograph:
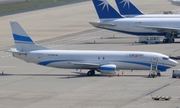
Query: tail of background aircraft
[22,41]
[105,10]
[127,8]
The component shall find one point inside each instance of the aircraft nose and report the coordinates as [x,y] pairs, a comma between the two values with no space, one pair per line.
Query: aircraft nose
[174,63]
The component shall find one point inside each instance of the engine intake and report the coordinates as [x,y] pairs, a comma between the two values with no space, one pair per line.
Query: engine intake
[108,69]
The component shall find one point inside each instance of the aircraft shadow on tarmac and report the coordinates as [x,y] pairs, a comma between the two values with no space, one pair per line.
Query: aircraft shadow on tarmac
[119,38]
[96,42]
[130,43]
[76,75]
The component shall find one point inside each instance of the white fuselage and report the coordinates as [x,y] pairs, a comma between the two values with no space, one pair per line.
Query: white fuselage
[153,16]
[175,2]
[127,60]
[131,25]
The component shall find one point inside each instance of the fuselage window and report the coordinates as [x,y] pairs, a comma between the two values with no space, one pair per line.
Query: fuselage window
[52,55]
[165,58]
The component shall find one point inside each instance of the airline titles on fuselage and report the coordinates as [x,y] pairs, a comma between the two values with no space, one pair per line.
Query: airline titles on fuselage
[136,55]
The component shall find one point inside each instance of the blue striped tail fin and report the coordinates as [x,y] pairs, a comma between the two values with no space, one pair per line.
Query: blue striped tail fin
[105,10]
[127,8]
[22,40]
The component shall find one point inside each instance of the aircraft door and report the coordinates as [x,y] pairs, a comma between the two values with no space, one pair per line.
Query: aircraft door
[154,63]
[39,59]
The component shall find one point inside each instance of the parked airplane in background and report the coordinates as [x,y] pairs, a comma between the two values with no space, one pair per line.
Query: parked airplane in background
[105,62]
[128,9]
[110,19]
[175,2]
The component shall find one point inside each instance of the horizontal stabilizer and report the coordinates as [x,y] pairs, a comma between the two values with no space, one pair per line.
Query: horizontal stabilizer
[101,24]
[14,50]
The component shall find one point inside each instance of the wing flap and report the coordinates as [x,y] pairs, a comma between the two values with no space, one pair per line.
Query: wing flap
[88,65]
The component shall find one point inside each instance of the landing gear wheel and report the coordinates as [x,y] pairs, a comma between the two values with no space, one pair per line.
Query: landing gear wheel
[90,73]
[171,40]
[93,72]
[168,40]
[152,75]
[173,76]
[159,74]
[165,41]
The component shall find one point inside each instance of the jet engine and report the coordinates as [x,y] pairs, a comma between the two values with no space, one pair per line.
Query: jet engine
[108,69]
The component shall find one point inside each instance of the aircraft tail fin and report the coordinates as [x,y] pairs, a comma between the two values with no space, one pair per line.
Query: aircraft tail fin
[22,40]
[105,10]
[126,7]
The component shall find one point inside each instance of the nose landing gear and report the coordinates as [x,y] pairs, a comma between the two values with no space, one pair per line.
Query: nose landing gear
[153,74]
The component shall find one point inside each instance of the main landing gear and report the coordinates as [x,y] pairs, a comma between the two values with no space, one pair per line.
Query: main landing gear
[169,38]
[91,73]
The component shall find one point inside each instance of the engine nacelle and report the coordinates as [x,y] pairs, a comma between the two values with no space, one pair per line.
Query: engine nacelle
[108,69]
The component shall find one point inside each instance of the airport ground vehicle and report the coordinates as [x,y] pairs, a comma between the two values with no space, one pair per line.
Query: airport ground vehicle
[149,40]
[152,41]
[175,57]
[176,73]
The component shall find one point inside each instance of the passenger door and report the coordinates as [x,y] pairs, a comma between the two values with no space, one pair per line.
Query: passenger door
[154,63]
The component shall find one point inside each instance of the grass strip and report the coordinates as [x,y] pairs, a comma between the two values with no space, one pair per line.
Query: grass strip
[29,4]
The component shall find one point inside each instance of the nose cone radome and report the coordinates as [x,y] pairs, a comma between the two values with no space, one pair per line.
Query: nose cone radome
[174,63]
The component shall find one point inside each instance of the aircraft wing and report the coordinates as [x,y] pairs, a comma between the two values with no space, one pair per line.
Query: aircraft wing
[161,29]
[88,65]
[101,24]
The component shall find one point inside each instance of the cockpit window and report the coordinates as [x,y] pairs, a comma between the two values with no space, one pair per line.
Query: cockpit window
[165,58]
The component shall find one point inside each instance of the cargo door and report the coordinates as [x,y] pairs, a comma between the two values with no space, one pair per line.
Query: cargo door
[39,58]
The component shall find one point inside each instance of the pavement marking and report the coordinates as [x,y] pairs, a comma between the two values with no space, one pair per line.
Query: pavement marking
[8,66]
[143,104]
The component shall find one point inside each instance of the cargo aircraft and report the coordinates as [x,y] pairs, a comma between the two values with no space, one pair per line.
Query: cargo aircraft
[175,2]
[129,10]
[110,19]
[105,62]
